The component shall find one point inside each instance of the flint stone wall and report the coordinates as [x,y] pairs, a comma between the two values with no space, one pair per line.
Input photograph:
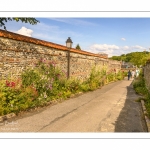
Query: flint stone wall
[147,75]
[16,56]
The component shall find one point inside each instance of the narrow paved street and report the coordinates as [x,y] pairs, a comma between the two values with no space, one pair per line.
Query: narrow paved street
[110,109]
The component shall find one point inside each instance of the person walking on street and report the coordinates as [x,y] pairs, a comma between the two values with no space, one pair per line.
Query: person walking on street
[133,74]
[137,72]
[129,74]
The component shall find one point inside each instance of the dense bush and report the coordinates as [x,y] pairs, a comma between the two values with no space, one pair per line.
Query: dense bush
[140,88]
[15,98]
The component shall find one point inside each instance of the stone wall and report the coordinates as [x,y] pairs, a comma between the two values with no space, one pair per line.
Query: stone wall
[18,52]
[147,75]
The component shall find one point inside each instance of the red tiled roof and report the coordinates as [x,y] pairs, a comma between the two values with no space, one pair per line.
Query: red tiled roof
[18,37]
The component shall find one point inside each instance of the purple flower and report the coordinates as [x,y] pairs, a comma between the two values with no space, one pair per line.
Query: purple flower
[50,86]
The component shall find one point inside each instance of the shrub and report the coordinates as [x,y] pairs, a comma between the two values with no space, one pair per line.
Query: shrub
[140,88]
[84,87]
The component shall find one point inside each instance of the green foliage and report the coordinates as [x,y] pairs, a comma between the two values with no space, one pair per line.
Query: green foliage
[78,47]
[13,99]
[139,85]
[116,58]
[31,21]
[84,87]
[136,58]
[140,88]
[95,78]
[29,77]
[120,75]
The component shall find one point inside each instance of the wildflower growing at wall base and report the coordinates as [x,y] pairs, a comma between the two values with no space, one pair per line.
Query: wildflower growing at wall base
[44,83]
[10,84]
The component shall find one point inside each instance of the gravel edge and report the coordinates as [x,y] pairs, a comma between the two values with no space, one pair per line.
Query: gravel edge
[147,120]
[6,117]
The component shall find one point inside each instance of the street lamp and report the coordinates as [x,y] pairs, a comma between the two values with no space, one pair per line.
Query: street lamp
[69,46]
[69,42]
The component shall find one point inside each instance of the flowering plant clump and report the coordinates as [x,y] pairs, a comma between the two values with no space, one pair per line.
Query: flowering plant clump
[14,97]
[46,82]
[45,77]
[10,84]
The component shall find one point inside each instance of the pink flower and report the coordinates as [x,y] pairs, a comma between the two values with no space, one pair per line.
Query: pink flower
[44,60]
[50,86]
[10,84]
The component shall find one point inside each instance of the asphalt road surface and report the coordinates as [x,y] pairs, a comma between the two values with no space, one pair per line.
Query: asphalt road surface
[113,108]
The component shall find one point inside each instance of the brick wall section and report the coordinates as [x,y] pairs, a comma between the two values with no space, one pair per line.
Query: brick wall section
[17,52]
[147,75]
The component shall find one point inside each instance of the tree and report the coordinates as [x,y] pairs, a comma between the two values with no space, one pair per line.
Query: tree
[136,58]
[78,47]
[32,21]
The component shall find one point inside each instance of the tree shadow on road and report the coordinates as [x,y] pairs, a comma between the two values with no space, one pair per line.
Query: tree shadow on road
[131,117]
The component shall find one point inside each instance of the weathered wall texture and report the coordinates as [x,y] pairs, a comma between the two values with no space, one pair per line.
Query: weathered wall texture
[147,75]
[18,52]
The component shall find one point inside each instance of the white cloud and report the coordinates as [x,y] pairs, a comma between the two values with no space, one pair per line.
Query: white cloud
[123,39]
[138,47]
[114,50]
[25,31]
[104,48]
[126,48]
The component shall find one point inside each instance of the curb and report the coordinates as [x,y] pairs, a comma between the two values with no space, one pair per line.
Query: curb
[146,118]
[5,117]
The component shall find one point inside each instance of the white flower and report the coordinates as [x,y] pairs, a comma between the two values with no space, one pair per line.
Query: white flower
[45,95]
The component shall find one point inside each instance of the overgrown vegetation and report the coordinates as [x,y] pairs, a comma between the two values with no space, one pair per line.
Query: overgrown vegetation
[140,88]
[136,58]
[45,83]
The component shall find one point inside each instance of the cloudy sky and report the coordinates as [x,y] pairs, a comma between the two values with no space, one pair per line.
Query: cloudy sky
[114,36]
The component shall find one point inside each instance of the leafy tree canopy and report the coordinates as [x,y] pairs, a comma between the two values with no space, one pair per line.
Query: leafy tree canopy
[78,47]
[32,21]
[136,58]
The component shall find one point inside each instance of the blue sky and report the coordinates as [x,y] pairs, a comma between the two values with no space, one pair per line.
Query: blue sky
[114,36]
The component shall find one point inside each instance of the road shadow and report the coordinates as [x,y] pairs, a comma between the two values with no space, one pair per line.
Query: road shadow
[131,118]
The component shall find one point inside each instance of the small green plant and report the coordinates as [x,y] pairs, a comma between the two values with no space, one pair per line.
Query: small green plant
[140,88]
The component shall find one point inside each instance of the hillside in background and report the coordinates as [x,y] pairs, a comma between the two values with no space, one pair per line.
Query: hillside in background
[136,58]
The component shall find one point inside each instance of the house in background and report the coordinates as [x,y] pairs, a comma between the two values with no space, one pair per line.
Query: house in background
[126,65]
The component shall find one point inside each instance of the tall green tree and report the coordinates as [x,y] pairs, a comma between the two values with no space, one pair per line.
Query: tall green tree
[31,21]
[136,58]
[78,47]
